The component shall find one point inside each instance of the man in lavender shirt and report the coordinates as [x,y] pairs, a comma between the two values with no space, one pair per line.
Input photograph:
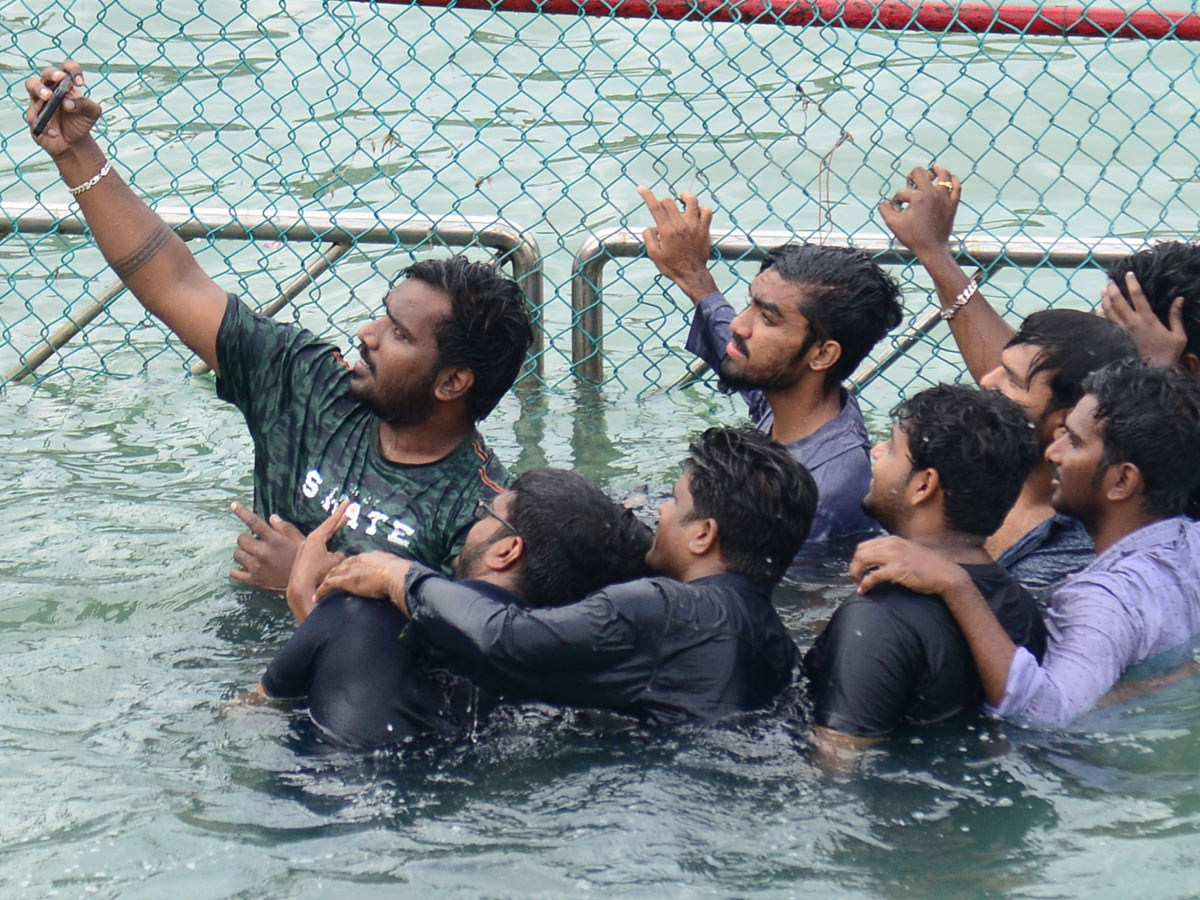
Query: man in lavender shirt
[1124,464]
[815,313]
[1041,365]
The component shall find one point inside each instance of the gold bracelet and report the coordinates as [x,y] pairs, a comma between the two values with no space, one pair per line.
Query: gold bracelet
[91,182]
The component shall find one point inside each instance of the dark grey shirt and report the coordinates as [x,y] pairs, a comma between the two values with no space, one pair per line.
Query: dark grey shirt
[1047,554]
[838,454]
[654,647]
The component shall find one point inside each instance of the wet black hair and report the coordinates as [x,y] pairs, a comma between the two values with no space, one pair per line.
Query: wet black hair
[1150,416]
[981,445]
[488,329]
[848,298]
[761,497]
[1072,344]
[1165,271]
[577,540]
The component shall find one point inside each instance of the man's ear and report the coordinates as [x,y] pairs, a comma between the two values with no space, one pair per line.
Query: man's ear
[505,553]
[453,383]
[923,486]
[824,355]
[1056,420]
[1123,482]
[702,537]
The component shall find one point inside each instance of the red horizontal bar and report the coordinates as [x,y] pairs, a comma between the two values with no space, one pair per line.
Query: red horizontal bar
[893,15]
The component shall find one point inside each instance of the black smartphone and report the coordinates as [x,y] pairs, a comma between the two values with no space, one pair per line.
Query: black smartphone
[56,99]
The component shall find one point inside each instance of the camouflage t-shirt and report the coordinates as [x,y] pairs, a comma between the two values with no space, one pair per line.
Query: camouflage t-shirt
[315,445]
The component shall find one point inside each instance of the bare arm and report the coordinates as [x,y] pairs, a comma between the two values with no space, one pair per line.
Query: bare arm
[152,260]
[921,217]
[837,752]
[1124,691]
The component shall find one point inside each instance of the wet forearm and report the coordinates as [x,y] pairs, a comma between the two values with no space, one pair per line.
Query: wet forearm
[978,329]
[152,261]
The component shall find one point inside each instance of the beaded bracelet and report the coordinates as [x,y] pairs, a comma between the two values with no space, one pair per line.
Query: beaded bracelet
[960,301]
[91,182]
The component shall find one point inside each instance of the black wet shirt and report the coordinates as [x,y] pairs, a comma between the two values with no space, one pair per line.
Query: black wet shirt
[368,679]
[655,647]
[895,658]
[315,444]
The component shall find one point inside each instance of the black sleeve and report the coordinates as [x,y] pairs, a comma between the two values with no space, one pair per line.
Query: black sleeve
[860,670]
[290,674]
[589,653]
[464,621]
[268,366]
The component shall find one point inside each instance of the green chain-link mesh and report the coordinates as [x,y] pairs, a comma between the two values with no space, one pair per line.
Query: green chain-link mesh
[550,123]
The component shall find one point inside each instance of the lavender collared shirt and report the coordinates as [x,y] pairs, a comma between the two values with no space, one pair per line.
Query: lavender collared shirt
[1138,598]
[838,454]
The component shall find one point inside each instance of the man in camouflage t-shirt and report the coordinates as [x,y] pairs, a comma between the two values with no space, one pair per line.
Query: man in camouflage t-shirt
[320,427]
[396,433]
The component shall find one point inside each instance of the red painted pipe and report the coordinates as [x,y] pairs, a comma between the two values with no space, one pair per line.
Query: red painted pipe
[893,15]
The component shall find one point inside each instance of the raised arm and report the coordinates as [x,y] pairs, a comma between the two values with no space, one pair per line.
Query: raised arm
[152,260]
[679,243]
[921,217]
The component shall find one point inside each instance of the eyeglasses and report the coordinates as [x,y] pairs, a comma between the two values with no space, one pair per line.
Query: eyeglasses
[484,510]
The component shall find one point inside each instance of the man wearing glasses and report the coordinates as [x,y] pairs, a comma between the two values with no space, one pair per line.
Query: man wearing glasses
[701,640]
[370,679]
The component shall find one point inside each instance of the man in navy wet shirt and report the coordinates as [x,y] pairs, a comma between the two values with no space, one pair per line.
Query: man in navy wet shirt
[815,313]
[700,641]
[369,679]
[1124,464]
[1042,366]
[395,433]
[892,658]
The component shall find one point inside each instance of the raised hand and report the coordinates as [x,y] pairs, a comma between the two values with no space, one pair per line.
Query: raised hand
[75,117]
[1158,344]
[680,243]
[921,216]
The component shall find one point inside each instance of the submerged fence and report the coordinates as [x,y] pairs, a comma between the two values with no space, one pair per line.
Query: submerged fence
[1072,127]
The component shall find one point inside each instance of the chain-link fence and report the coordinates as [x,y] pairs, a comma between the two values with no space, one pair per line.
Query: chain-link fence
[227,111]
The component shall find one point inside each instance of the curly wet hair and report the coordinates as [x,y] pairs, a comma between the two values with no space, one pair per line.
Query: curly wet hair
[761,497]
[577,540]
[488,329]
[1150,417]
[981,445]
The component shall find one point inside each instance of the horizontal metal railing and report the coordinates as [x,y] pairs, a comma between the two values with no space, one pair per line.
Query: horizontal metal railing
[340,231]
[587,273]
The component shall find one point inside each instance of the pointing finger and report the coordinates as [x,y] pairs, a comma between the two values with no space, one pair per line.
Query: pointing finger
[250,520]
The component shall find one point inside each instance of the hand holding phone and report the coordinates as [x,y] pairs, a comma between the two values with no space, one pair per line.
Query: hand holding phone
[52,105]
